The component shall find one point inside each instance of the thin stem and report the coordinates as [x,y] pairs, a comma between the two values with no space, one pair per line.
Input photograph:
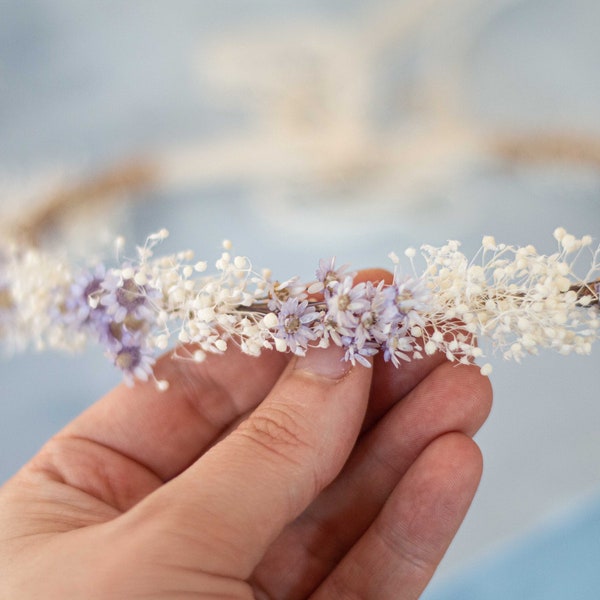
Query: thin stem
[589,288]
[582,290]
[129,177]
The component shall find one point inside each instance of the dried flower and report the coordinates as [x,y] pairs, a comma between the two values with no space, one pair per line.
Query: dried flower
[346,303]
[520,300]
[85,294]
[134,359]
[327,275]
[294,326]
[123,298]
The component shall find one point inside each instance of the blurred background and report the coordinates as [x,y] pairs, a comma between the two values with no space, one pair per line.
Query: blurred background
[302,130]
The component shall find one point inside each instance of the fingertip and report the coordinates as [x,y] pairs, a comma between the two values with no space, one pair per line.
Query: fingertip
[416,525]
[479,389]
[442,483]
[375,275]
[465,459]
[467,392]
[328,363]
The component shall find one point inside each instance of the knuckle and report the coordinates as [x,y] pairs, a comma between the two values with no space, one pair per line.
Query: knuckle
[408,548]
[278,429]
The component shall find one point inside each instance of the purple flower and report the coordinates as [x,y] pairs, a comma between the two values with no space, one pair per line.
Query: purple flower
[108,332]
[399,345]
[375,322]
[365,339]
[85,294]
[295,320]
[327,274]
[123,297]
[355,354]
[346,303]
[133,358]
[281,292]
[408,299]
[119,314]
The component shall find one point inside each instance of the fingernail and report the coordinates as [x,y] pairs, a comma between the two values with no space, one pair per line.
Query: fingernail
[326,362]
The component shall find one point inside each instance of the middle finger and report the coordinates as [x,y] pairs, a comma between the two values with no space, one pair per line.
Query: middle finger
[322,535]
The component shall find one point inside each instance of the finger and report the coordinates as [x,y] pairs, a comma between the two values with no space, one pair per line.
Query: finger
[237,498]
[389,382]
[450,399]
[134,439]
[399,553]
[165,432]
[374,275]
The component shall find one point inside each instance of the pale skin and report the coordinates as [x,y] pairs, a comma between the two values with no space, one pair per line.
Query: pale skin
[273,477]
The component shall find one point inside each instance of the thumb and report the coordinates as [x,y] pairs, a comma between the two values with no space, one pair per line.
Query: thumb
[228,507]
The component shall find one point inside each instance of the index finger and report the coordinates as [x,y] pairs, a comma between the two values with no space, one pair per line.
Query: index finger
[221,514]
[166,431]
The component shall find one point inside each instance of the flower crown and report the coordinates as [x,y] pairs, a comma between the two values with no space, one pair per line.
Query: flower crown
[518,299]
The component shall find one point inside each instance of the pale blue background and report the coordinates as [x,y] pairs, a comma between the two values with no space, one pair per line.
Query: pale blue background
[85,84]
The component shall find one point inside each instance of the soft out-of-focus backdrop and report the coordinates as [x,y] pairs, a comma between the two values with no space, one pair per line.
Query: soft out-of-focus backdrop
[304,130]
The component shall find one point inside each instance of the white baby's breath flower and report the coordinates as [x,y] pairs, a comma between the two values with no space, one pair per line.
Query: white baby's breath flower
[520,300]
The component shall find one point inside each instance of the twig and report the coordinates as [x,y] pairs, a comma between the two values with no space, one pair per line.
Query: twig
[129,177]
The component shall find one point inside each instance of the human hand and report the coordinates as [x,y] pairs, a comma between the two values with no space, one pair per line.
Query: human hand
[270,477]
